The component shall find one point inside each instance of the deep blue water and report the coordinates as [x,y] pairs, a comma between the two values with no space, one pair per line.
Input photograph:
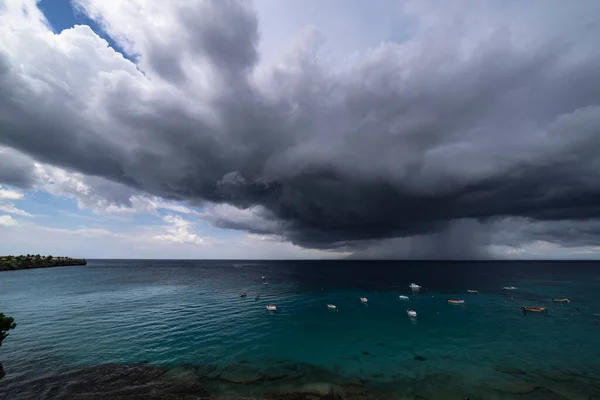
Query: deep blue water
[171,312]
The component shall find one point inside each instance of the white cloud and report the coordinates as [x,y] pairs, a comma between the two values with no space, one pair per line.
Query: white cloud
[178,230]
[7,220]
[11,209]
[7,194]
[100,195]
[8,207]
[142,242]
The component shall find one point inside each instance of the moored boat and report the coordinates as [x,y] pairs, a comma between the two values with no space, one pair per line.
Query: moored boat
[363,299]
[561,300]
[271,307]
[331,306]
[243,294]
[473,291]
[411,313]
[414,286]
[257,297]
[451,301]
[533,309]
[402,297]
[509,288]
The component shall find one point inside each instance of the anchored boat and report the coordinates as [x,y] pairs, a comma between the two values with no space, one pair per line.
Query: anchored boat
[561,300]
[473,291]
[533,309]
[411,313]
[271,308]
[450,301]
[509,288]
[364,300]
[414,286]
[402,297]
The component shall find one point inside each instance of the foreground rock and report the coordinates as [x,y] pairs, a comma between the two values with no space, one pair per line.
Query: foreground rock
[298,382]
[108,382]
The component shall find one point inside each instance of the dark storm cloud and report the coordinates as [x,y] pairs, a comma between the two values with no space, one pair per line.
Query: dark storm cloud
[406,140]
[16,169]
[516,231]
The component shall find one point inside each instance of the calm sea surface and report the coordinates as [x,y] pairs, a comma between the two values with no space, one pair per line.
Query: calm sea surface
[173,312]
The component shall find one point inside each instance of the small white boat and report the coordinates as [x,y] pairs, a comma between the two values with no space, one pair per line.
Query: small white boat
[265,283]
[451,301]
[473,291]
[271,308]
[509,288]
[331,306]
[414,286]
[411,313]
[363,299]
[561,300]
[402,297]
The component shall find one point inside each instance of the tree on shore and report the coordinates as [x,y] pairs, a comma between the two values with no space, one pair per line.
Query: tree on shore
[6,324]
[8,263]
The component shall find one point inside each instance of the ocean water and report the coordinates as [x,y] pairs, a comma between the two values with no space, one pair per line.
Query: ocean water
[174,312]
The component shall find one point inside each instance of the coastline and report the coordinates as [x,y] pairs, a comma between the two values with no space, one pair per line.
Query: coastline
[13,263]
[285,381]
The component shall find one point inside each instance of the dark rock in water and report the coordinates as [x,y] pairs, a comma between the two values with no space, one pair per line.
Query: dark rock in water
[2,372]
[514,387]
[207,371]
[510,371]
[366,353]
[241,376]
[184,372]
[108,382]
[309,391]
[291,367]
[418,357]
[273,374]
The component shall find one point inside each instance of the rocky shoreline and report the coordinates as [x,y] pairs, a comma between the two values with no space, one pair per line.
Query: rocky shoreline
[284,382]
[29,261]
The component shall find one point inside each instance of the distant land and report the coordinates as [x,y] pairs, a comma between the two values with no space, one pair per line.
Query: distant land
[10,263]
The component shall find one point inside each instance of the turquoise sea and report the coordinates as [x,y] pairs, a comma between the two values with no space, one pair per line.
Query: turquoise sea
[173,313]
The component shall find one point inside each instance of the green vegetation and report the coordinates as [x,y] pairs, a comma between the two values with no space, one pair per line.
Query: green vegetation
[6,324]
[8,263]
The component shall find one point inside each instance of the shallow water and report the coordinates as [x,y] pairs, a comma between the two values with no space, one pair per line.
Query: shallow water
[173,312]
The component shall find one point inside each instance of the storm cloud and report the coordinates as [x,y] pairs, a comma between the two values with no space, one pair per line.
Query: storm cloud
[474,118]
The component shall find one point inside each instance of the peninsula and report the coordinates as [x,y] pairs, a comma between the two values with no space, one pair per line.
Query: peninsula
[9,263]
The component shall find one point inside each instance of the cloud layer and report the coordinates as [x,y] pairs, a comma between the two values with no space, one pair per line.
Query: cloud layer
[477,116]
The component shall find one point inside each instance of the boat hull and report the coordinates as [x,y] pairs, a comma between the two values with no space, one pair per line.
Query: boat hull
[533,309]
